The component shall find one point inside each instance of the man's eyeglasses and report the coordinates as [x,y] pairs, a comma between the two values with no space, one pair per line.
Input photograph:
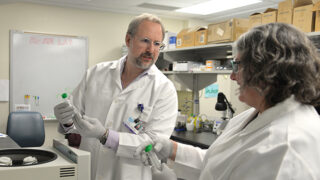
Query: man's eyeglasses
[235,66]
[157,44]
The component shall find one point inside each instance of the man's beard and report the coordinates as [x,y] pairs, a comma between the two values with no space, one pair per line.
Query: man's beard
[139,64]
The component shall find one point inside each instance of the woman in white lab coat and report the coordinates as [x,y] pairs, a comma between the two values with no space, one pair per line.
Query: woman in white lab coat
[278,71]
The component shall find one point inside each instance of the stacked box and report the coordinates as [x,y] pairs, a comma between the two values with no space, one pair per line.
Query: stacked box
[255,19]
[269,16]
[227,31]
[201,37]
[303,15]
[285,12]
[187,37]
[316,10]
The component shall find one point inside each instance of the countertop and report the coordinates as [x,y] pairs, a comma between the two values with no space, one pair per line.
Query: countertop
[199,139]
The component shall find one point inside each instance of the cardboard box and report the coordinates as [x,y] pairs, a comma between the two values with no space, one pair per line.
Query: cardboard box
[285,5]
[316,10]
[255,19]
[201,37]
[285,12]
[227,31]
[303,15]
[269,16]
[186,37]
[285,16]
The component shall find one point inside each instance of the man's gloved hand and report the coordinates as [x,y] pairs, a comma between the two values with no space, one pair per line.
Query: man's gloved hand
[163,148]
[166,173]
[64,112]
[89,127]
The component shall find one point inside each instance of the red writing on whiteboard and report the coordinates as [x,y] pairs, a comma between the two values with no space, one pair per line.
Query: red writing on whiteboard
[63,42]
[47,41]
[50,41]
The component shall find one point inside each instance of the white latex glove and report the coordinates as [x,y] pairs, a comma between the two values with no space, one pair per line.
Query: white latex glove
[166,173]
[163,148]
[89,127]
[64,112]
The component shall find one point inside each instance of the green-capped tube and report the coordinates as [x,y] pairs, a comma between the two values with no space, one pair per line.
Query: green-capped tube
[64,95]
[148,148]
[152,157]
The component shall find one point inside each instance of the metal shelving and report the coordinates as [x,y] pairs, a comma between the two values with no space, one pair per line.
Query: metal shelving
[199,79]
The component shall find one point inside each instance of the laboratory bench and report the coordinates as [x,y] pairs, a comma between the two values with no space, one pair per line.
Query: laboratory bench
[199,139]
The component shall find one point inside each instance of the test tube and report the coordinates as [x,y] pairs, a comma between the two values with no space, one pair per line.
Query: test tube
[152,157]
[65,98]
[64,95]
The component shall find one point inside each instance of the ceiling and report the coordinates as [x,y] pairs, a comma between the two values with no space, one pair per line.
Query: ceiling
[161,8]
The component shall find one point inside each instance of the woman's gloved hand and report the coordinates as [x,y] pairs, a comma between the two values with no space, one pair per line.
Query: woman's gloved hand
[163,147]
[89,127]
[166,173]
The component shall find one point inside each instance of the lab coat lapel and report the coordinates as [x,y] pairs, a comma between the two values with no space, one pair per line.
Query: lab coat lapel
[234,134]
[228,138]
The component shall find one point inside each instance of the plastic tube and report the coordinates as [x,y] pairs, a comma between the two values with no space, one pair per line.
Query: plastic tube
[152,157]
[65,98]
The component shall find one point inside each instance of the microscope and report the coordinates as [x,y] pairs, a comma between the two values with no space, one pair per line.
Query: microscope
[227,113]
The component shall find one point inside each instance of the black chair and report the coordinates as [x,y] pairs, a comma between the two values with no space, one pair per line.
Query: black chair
[26,128]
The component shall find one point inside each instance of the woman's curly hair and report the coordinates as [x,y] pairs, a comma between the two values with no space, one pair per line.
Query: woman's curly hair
[281,61]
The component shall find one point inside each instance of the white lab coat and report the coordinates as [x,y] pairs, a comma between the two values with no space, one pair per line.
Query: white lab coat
[281,143]
[100,95]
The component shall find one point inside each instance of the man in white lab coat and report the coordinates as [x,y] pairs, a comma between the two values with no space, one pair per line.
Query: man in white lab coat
[115,92]
[278,72]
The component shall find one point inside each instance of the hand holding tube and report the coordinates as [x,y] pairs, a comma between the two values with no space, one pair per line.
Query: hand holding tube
[164,149]
[89,127]
[64,112]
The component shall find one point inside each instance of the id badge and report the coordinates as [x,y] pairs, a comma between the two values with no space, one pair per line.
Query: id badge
[134,125]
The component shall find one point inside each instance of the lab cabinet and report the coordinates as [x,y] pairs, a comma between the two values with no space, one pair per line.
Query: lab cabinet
[196,80]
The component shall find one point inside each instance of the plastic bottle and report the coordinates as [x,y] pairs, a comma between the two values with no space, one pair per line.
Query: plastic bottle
[190,118]
[196,122]
[152,157]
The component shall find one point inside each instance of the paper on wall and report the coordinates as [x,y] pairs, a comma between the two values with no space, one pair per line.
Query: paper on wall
[4,90]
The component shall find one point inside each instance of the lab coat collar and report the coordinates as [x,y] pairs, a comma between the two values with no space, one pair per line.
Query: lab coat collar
[139,82]
[271,114]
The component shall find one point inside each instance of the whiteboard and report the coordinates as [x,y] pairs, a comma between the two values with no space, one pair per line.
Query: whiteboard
[42,67]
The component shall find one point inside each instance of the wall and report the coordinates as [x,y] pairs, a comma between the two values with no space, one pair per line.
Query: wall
[105,31]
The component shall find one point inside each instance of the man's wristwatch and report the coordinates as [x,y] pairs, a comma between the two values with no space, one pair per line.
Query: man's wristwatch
[103,139]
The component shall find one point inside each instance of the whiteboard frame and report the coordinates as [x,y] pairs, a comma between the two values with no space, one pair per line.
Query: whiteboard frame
[14,78]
